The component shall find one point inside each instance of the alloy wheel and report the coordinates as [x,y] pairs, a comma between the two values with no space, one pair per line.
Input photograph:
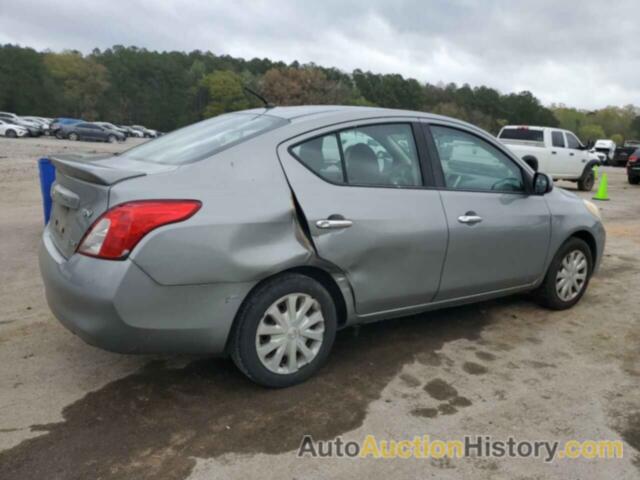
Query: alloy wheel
[290,333]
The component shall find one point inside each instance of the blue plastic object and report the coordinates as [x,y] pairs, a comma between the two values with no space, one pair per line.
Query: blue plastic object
[47,177]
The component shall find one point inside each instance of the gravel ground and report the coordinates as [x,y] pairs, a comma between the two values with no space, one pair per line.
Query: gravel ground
[502,368]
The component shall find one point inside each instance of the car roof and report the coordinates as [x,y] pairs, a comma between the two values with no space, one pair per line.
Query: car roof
[302,111]
[317,116]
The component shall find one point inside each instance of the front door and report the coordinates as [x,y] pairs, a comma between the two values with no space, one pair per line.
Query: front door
[498,234]
[363,192]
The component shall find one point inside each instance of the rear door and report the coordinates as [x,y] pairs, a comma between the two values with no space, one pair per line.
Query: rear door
[498,233]
[370,210]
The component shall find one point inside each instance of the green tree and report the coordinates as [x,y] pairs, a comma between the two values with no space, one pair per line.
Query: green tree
[617,138]
[25,84]
[635,127]
[591,132]
[82,82]
[225,93]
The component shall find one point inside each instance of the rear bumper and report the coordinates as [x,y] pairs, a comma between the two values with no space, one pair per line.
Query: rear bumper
[116,306]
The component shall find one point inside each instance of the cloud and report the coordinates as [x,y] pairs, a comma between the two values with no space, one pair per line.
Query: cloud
[582,53]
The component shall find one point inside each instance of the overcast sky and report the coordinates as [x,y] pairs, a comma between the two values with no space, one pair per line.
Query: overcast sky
[582,53]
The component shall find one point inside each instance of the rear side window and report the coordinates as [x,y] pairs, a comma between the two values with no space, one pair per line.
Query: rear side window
[557,139]
[522,133]
[373,155]
[322,156]
[203,139]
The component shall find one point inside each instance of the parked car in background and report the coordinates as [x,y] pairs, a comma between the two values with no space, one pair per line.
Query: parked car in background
[633,167]
[44,123]
[111,126]
[292,236]
[34,128]
[11,130]
[146,132]
[132,132]
[623,153]
[556,152]
[605,149]
[57,123]
[90,131]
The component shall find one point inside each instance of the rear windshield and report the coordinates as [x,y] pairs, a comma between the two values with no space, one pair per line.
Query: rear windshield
[522,134]
[203,139]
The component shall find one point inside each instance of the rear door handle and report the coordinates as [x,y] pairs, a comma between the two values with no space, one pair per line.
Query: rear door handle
[327,223]
[469,219]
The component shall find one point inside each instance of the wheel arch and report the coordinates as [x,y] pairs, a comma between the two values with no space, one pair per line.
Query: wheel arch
[344,306]
[590,240]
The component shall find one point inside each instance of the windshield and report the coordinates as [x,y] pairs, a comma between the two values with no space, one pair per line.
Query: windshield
[203,139]
[522,134]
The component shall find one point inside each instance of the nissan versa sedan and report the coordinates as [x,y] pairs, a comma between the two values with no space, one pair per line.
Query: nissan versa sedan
[258,234]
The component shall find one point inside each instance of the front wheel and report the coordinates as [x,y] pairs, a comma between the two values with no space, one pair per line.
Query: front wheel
[587,181]
[284,331]
[568,276]
[111,139]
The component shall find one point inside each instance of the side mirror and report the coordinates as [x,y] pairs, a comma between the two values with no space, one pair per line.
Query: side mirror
[531,161]
[542,183]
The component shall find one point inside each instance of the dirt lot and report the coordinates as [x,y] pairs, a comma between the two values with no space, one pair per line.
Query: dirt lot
[502,368]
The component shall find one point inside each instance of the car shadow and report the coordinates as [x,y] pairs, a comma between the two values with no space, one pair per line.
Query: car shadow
[154,422]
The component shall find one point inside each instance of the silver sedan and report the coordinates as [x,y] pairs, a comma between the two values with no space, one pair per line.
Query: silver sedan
[258,234]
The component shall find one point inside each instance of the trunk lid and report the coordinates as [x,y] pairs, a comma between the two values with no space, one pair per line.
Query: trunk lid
[80,193]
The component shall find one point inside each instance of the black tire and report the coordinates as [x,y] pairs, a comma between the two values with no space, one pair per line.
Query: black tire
[243,337]
[633,180]
[547,294]
[111,139]
[73,136]
[11,133]
[59,135]
[587,181]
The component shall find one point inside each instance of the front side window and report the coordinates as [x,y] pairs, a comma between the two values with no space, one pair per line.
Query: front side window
[373,155]
[572,141]
[557,139]
[470,163]
[203,139]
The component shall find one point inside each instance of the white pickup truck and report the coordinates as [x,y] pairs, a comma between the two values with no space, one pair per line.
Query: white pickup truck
[554,151]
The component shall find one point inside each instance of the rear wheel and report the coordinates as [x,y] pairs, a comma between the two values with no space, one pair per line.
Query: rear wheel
[11,133]
[284,331]
[73,136]
[633,180]
[568,276]
[586,182]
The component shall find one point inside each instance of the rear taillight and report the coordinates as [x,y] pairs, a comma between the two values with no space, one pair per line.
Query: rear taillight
[119,229]
[632,159]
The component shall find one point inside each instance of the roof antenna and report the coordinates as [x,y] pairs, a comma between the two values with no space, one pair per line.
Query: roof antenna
[257,95]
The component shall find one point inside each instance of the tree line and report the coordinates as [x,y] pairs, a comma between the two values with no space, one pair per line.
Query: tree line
[166,90]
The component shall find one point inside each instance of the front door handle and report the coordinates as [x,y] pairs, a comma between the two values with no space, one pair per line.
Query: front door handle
[328,223]
[469,219]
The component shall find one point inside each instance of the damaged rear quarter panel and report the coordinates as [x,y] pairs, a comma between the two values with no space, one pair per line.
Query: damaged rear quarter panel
[245,231]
